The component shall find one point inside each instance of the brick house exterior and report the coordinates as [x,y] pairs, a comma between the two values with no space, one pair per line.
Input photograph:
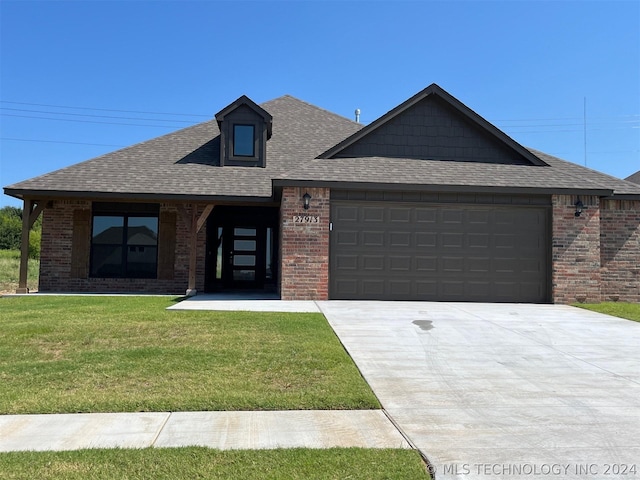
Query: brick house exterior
[429,202]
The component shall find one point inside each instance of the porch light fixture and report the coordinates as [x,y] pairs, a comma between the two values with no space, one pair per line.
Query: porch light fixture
[579,205]
[306,198]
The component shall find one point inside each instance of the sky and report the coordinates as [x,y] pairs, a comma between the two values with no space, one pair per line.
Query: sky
[82,78]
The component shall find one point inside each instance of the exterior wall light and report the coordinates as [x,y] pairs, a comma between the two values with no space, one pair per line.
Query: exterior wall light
[579,205]
[306,198]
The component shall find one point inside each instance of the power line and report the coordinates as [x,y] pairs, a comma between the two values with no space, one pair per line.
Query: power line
[93,116]
[105,109]
[90,121]
[59,141]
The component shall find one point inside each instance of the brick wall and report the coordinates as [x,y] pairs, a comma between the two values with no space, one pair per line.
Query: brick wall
[620,251]
[56,257]
[576,250]
[304,271]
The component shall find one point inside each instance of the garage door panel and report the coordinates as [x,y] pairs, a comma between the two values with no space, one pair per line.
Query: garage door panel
[373,287]
[504,265]
[480,265]
[478,240]
[346,213]
[506,290]
[399,239]
[426,264]
[400,264]
[426,288]
[505,241]
[347,262]
[400,215]
[373,214]
[481,217]
[532,266]
[424,215]
[439,252]
[346,238]
[348,287]
[400,288]
[452,216]
[452,264]
[452,290]
[452,240]
[373,262]
[373,239]
[478,290]
[426,239]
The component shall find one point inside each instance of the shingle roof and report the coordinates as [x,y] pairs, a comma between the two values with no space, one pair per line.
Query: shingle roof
[635,178]
[185,163]
[559,176]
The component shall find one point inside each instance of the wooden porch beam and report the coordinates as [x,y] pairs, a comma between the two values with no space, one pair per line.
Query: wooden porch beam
[24,245]
[37,210]
[205,215]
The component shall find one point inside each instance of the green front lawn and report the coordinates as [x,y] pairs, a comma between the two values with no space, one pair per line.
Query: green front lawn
[197,462]
[122,354]
[630,311]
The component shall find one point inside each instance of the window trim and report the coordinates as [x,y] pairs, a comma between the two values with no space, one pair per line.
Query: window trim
[253,142]
[126,212]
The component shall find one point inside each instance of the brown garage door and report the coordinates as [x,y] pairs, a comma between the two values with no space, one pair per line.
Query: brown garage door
[413,251]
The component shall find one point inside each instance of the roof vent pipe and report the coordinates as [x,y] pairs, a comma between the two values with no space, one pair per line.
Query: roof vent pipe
[357,115]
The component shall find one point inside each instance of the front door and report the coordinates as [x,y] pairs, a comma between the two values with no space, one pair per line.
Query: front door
[243,252]
[241,249]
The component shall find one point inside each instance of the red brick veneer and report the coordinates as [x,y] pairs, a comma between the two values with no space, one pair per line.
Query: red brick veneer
[620,250]
[576,250]
[304,271]
[56,257]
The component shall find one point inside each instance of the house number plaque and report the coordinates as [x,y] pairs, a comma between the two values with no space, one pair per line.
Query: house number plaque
[305,219]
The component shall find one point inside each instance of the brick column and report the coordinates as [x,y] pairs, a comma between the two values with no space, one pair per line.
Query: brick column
[304,244]
[620,250]
[576,250]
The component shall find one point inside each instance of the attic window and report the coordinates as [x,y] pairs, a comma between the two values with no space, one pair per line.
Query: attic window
[243,141]
[245,129]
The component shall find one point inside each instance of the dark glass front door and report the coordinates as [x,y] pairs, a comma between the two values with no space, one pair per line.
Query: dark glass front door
[241,249]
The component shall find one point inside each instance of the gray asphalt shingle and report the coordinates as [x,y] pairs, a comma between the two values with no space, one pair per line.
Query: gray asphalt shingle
[185,163]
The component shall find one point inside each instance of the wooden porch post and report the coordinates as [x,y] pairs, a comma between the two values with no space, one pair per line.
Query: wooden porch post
[195,225]
[30,213]
[24,246]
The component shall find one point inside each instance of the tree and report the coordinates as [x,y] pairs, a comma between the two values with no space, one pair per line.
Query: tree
[11,231]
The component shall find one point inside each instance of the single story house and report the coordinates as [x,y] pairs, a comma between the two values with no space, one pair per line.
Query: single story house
[428,202]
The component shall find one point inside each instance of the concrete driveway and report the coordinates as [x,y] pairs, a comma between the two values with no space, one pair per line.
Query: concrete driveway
[503,391]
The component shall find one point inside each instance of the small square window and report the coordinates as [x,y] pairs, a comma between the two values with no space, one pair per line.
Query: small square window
[243,141]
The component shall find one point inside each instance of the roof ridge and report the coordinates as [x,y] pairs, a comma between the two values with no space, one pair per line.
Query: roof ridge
[286,95]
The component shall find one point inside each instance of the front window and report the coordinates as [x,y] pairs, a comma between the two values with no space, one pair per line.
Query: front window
[243,141]
[124,245]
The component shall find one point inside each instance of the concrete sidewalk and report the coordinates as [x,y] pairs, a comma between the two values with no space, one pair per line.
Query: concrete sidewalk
[261,302]
[220,430]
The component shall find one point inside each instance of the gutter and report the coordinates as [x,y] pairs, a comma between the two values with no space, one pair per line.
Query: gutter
[600,192]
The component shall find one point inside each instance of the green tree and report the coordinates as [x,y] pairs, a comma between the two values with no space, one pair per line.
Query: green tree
[11,231]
